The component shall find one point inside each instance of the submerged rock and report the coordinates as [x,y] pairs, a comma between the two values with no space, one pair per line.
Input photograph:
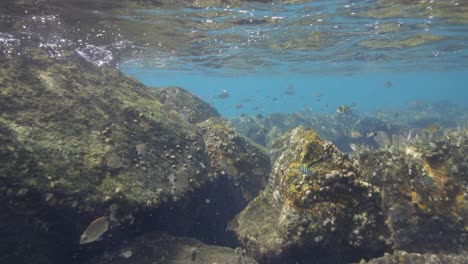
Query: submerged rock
[192,108]
[316,207]
[243,163]
[415,258]
[154,248]
[424,190]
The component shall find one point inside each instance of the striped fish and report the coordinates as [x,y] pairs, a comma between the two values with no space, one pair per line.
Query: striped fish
[343,109]
[426,180]
[304,170]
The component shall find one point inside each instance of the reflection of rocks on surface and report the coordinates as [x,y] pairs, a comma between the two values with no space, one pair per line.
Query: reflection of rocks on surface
[302,215]
[156,248]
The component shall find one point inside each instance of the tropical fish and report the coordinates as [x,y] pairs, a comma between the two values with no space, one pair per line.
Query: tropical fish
[355,134]
[426,180]
[304,170]
[343,109]
[388,84]
[95,230]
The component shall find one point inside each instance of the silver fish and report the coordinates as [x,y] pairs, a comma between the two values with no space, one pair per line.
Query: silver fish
[95,230]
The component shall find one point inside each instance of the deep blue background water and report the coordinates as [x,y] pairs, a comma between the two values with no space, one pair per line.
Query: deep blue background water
[316,47]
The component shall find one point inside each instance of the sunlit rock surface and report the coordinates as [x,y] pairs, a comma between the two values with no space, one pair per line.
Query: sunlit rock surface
[316,207]
[155,248]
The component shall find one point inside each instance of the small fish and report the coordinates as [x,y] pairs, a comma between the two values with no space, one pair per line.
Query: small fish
[382,138]
[426,180]
[239,106]
[388,84]
[353,147]
[304,169]
[355,134]
[318,96]
[95,230]
[141,149]
[223,95]
[371,134]
[343,109]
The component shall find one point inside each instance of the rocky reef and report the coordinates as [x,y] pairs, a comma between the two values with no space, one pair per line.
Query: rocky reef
[321,206]
[316,203]
[80,141]
[424,192]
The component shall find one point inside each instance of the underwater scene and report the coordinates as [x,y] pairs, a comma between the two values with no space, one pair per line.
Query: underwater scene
[233,131]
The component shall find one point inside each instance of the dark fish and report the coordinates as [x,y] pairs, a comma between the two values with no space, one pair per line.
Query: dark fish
[388,84]
[95,230]
[343,109]
[318,96]
[239,106]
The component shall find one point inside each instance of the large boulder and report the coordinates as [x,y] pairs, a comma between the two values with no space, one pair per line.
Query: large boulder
[79,142]
[316,207]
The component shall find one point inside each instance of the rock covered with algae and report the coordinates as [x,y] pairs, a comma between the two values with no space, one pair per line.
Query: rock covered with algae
[80,142]
[191,107]
[155,248]
[424,190]
[316,205]
[245,166]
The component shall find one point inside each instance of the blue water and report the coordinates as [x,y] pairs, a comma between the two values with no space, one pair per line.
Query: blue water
[256,51]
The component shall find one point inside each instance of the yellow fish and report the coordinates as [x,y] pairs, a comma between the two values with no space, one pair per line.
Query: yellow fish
[95,230]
